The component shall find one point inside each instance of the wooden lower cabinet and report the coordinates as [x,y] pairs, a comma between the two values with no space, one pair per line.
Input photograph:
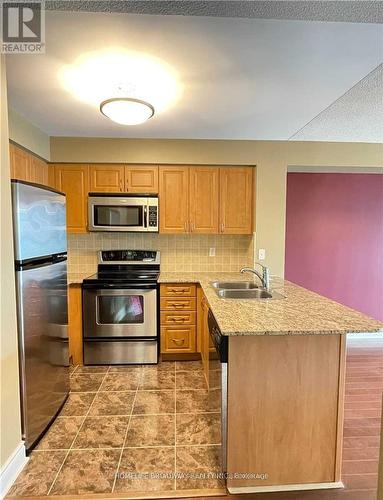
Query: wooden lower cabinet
[178,339]
[75,323]
[178,319]
[178,304]
[285,412]
[205,337]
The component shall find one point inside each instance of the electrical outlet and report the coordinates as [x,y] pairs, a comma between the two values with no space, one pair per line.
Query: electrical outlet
[211,252]
[261,254]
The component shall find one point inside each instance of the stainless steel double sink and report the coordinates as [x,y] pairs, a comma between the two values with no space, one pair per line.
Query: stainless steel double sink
[243,290]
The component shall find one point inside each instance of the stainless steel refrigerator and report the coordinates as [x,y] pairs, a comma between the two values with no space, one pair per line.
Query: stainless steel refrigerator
[39,225]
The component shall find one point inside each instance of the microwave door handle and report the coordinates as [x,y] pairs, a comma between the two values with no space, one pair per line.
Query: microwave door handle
[145,216]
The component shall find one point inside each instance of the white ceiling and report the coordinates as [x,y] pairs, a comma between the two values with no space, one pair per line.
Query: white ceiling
[242,78]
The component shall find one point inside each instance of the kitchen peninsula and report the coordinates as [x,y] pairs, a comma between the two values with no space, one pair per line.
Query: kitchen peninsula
[285,384]
[285,380]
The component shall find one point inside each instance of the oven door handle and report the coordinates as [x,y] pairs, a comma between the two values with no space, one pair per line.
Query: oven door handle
[112,286]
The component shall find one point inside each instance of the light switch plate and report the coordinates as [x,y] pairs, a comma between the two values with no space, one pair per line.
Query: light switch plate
[211,252]
[261,254]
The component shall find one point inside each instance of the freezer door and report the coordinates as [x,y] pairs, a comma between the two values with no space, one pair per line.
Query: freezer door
[43,345]
[39,221]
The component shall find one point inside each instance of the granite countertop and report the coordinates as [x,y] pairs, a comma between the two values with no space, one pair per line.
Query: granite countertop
[302,312]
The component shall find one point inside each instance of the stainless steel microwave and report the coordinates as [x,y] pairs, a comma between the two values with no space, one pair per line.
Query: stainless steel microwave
[122,212]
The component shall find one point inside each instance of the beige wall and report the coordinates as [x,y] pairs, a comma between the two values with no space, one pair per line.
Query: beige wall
[271,159]
[28,135]
[9,382]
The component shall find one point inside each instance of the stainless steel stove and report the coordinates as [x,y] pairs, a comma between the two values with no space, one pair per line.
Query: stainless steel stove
[121,307]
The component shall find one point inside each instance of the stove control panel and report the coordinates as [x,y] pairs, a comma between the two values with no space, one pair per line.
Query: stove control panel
[128,256]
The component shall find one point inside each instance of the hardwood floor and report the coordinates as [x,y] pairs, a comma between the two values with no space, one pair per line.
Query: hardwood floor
[363,402]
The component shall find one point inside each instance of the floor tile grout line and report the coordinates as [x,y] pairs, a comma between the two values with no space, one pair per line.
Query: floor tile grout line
[66,456]
[126,432]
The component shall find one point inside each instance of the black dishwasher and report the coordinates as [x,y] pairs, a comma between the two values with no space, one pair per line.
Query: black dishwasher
[218,377]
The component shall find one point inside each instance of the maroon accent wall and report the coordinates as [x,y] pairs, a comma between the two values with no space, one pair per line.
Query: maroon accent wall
[334,237]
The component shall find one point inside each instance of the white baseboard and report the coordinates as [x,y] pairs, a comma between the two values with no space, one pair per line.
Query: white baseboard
[12,469]
[376,335]
[284,487]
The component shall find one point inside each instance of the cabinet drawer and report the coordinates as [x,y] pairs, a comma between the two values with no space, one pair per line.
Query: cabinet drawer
[181,339]
[178,290]
[177,319]
[186,304]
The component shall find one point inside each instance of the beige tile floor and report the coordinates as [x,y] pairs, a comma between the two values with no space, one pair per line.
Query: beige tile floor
[129,429]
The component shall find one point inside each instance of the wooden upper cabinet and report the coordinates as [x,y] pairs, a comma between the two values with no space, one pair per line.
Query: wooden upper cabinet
[38,172]
[52,176]
[107,178]
[73,180]
[174,199]
[236,200]
[141,178]
[20,163]
[204,199]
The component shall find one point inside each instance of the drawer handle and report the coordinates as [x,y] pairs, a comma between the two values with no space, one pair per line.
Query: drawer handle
[177,320]
[178,306]
[178,290]
[178,341]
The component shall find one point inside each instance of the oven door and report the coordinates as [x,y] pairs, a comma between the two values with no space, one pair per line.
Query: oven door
[118,213]
[120,313]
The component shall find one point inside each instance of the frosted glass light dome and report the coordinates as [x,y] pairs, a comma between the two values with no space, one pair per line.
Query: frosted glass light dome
[127,111]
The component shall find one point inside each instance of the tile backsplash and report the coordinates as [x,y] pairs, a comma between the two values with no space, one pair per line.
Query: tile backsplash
[189,252]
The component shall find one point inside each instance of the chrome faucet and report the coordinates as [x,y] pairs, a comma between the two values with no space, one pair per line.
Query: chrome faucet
[264,277]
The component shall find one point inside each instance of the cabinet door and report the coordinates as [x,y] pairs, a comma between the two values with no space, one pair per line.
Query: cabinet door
[177,339]
[51,176]
[204,200]
[174,199]
[75,323]
[205,340]
[107,178]
[38,172]
[20,163]
[236,200]
[73,180]
[141,178]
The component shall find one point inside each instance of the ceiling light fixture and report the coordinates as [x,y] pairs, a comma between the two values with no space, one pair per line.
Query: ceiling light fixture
[129,85]
[126,110]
